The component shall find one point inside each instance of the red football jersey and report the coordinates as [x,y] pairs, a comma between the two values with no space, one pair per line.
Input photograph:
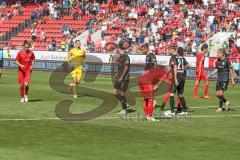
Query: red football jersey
[152,76]
[25,59]
[200,59]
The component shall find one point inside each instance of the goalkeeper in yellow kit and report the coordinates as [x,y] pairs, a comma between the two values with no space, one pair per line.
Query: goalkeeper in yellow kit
[77,56]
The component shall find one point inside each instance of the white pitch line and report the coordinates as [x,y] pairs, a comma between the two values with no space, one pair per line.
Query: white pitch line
[213,107]
[111,118]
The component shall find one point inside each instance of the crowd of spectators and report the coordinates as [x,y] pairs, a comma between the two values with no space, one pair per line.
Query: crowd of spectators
[160,23]
[16,9]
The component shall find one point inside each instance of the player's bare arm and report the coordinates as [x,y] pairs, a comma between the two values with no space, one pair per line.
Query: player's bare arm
[123,74]
[32,65]
[214,72]
[156,86]
[84,55]
[188,66]
[69,56]
[232,75]
[19,64]
[175,74]
[200,68]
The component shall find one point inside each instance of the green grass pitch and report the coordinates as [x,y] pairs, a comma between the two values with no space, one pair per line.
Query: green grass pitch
[36,136]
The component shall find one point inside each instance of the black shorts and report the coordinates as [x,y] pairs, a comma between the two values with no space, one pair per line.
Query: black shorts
[1,64]
[237,72]
[123,86]
[34,37]
[222,86]
[179,88]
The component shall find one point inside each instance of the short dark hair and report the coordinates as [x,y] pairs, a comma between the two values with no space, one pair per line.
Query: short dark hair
[180,51]
[77,41]
[121,45]
[26,42]
[172,47]
[222,50]
[145,46]
[204,46]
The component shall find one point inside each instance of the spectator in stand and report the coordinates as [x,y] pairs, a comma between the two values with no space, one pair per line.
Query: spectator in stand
[141,38]
[104,29]
[19,8]
[63,45]
[194,48]
[89,25]
[103,44]
[231,41]
[91,46]
[72,3]
[9,15]
[89,39]
[33,15]
[42,20]
[54,45]
[66,33]
[225,45]
[51,8]
[34,34]
[42,36]
[15,9]
[189,49]
[49,46]
[66,6]
[64,27]
[71,45]
[3,6]
[210,46]
[234,50]
[238,43]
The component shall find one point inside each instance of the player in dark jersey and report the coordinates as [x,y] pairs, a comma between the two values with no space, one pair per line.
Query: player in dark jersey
[173,54]
[151,60]
[223,69]
[1,60]
[122,76]
[178,68]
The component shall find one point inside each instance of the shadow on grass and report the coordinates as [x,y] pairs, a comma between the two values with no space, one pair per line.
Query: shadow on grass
[35,100]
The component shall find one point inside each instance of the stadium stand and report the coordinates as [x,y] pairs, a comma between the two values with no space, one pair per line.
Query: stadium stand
[159,23]
[13,19]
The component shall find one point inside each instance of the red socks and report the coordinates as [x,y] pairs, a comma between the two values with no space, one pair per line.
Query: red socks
[26,90]
[179,103]
[22,91]
[206,90]
[148,106]
[166,97]
[195,90]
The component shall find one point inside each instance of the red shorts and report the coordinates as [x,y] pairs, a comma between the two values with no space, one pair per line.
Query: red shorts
[147,91]
[24,77]
[202,77]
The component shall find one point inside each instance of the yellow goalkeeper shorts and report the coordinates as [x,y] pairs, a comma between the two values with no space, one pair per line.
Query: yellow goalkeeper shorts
[77,73]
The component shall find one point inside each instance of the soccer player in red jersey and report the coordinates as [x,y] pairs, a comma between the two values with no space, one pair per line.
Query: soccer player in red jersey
[25,60]
[149,81]
[200,72]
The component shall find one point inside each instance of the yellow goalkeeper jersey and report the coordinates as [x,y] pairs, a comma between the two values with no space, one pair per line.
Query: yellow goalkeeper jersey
[77,57]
